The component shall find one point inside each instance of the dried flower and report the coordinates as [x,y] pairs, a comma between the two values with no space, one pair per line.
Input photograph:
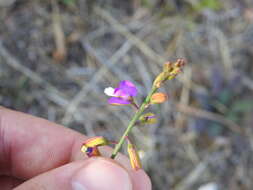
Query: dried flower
[158,98]
[90,145]
[90,151]
[96,141]
[123,94]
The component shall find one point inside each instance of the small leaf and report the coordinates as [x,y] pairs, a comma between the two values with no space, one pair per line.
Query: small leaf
[242,106]
[225,96]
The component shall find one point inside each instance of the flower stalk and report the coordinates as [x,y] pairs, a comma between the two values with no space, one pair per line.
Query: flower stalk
[131,124]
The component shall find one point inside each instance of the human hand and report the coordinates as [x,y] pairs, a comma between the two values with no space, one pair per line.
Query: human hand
[38,154]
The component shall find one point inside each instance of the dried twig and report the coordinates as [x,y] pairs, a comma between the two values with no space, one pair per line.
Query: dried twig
[185,95]
[134,39]
[59,37]
[193,176]
[52,93]
[144,73]
[198,171]
[209,115]
[144,48]
[224,50]
[181,118]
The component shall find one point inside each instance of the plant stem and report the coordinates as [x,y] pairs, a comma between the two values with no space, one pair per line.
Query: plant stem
[132,122]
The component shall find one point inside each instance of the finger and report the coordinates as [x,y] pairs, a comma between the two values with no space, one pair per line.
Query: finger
[140,180]
[31,145]
[8,183]
[92,174]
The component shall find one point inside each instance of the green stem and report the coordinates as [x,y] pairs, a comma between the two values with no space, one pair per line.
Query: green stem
[132,122]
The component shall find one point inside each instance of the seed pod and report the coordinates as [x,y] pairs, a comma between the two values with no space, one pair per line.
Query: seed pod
[134,157]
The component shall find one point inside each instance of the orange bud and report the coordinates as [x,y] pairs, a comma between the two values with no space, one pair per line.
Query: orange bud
[133,156]
[158,98]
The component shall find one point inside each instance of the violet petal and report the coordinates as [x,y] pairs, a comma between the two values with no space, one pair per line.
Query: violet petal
[128,88]
[118,101]
[120,93]
[126,83]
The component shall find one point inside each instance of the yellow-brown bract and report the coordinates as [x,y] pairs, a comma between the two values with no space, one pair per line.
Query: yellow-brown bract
[133,156]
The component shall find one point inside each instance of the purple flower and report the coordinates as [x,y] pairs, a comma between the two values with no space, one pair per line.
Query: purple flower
[123,94]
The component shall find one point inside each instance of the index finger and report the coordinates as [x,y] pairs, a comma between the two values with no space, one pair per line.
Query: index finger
[30,145]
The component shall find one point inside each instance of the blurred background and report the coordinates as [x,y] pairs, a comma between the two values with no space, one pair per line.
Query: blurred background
[56,58]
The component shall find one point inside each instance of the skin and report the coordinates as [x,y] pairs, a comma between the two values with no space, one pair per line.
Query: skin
[38,154]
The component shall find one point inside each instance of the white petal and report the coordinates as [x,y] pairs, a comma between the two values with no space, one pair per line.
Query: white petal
[209,186]
[109,91]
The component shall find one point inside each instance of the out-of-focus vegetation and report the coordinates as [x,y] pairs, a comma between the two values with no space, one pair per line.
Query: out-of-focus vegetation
[56,57]
[214,5]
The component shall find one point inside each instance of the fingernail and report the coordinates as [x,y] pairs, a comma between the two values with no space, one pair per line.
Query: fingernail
[101,174]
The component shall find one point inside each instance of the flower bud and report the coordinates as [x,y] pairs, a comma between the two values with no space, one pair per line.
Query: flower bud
[133,156]
[160,79]
[167,67]
[170,71]
[158,98]
[148,118]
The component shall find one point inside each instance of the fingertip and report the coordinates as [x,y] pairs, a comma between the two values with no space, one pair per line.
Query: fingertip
[140,180]
[102,173]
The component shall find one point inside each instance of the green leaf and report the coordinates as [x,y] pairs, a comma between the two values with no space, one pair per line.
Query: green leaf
[233,116]
[215,129]
[225,96]
[208,4]
[242,106]
[68,2]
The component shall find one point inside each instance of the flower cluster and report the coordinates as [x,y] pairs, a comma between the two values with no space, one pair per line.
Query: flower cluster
[124,94]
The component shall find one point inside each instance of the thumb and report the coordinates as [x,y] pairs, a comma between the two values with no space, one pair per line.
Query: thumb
[91,174]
